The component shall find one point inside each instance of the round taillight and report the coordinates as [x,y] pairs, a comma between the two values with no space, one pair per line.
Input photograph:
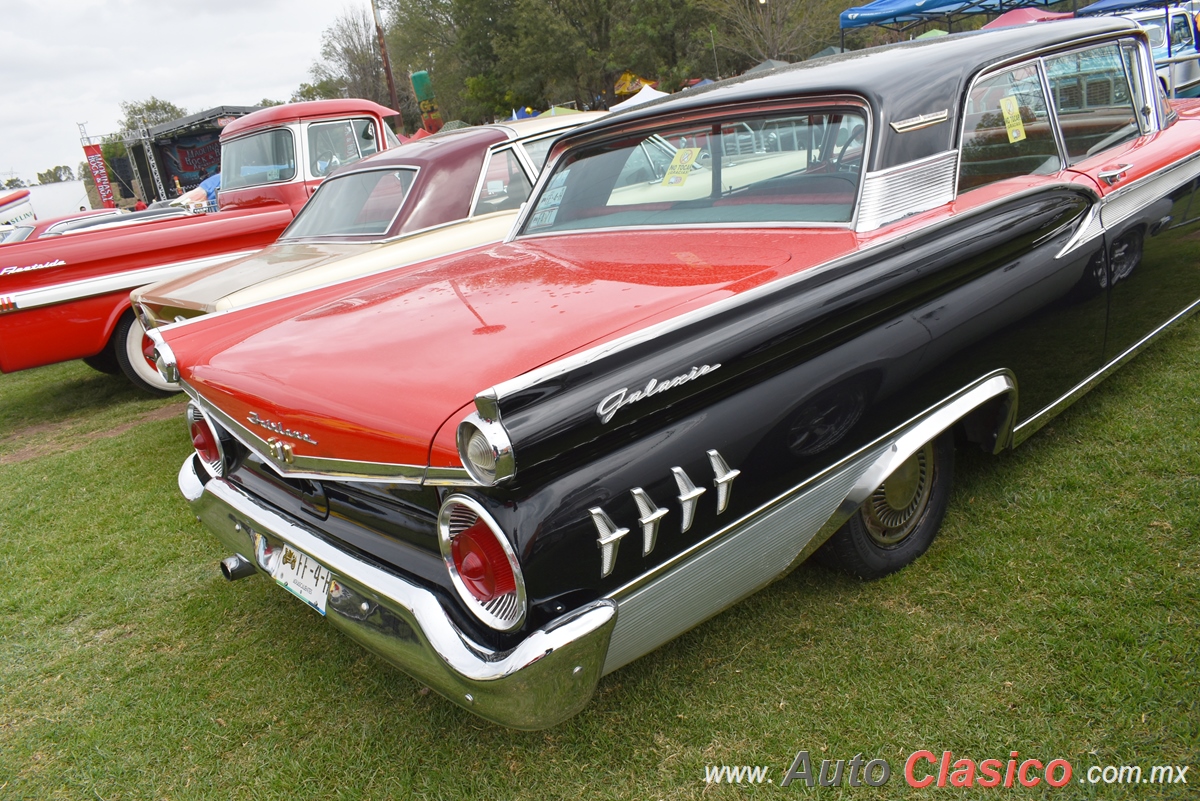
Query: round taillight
[206,440]
[481,563]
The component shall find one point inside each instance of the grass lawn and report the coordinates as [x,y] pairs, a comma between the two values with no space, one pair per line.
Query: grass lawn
[1057,615]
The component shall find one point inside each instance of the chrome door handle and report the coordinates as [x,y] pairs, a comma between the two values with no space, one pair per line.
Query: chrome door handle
[1114,174]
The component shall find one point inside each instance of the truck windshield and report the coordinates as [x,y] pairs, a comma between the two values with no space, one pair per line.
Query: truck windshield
[261,158]
[356,204]
[785,167]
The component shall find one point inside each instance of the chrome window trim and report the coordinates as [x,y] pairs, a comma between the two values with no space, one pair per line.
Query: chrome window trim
[416,171]
[559,367]
[493,151]
[889,195]
[289,127]
[1029,427]
[103,285]
[719,114]
[773,538]
[317,468]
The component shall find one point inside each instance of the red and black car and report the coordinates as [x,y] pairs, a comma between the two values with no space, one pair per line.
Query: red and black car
[732,328]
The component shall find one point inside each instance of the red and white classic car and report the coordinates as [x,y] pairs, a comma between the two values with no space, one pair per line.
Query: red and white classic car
[514,470]
[67,296]
[445,193]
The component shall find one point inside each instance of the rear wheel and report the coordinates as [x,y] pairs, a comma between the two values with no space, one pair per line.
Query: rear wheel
[899,520]
[134,352]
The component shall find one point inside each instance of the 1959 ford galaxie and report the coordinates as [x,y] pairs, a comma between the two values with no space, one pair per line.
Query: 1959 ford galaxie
[732,327]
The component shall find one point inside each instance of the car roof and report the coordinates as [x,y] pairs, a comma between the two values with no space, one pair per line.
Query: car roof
[899,81]
[462,144]
[309,110]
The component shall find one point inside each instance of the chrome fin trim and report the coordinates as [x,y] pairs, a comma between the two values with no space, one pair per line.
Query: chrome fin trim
[764,544]
[723,480]
[651,516]
[609,539]
[689,497]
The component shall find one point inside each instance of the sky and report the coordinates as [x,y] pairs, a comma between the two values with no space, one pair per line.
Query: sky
[64,62]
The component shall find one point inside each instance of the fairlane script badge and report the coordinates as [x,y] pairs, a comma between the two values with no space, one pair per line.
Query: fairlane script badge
[623,397]
[278,428]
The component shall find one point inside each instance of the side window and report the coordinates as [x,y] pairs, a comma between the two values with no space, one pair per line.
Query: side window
[1007,130]
[1181,31]
[364,134]
[1093,99]
[505,185]
[332,144]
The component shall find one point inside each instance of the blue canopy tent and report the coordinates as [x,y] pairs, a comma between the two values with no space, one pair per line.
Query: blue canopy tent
[902,15]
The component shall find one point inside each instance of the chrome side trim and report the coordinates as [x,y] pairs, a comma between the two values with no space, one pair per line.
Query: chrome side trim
[888,195]
[103,285]
[1025,430]
[1122,204]
[318,468]
[689,496]
[608,539]
[748,554]
[546,678]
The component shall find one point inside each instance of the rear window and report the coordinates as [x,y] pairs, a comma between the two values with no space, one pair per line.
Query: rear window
[355,204]
[787,167]
[261,158]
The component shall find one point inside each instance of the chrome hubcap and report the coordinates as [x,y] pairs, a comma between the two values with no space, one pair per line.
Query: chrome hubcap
[893,510]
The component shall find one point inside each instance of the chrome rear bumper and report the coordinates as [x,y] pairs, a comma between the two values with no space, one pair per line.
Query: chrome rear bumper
[544,680]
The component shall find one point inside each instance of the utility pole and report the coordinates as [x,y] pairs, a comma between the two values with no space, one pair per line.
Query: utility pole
[387,64]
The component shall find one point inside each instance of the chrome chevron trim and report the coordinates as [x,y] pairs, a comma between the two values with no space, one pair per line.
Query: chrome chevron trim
[689,496]
[754,550]
[651,516]
[103,285]
[318,468]
[897,192]
[723,480]
[1029,427]
[609,539]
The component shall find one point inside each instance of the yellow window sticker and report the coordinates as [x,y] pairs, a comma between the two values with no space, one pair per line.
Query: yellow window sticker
[1012,119]
[681,166]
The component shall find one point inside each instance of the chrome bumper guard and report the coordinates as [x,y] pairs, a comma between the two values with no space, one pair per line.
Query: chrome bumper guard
[544,680]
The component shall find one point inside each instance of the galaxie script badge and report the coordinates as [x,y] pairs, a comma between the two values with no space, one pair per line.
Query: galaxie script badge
[623,397]
[278,428]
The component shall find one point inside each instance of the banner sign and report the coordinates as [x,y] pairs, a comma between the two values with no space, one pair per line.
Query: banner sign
[191,159]
[95,160]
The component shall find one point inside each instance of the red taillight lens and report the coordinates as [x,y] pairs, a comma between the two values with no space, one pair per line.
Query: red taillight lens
[206,440]
[481,563]
[483,568]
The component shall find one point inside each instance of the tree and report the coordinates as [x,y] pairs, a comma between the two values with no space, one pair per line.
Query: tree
[328,89]
[56,175]
[14,183]
[148,113]
[757,30]
[267,102]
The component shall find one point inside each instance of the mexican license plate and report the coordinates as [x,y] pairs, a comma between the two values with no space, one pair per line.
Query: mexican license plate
[301,575]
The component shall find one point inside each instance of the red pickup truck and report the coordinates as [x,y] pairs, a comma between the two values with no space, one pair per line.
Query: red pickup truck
[66,296]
